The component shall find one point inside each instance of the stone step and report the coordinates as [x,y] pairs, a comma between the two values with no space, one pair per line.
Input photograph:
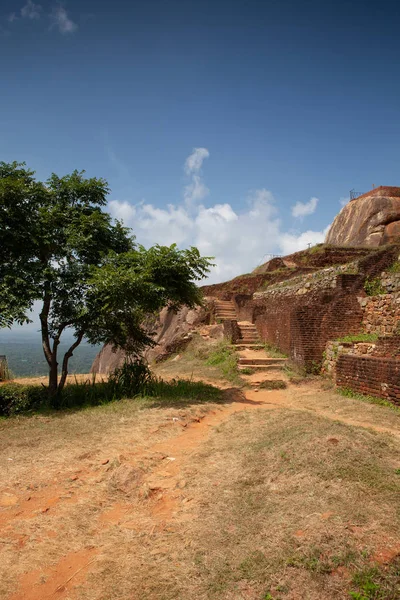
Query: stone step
[260,368]
[262,361]
[252,346]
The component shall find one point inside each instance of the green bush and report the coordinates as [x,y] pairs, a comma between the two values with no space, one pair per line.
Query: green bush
[133,378]
[16,398]
[374,287]
[273,384]
[395,267]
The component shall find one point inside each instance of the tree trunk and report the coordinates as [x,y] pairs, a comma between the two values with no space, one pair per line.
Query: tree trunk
[53,377]
[67,356]
[50,357]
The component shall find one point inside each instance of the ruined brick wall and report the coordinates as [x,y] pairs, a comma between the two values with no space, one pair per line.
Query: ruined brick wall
[231,331]
[381,314]
[272,319]
[301,324]
[327,316]
[334,348]
[388,346]
[370,375]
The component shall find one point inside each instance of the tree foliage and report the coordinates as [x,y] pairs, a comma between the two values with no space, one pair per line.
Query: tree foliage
[60,247]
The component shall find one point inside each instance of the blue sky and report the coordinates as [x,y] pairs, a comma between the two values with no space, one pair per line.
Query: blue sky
[238,126]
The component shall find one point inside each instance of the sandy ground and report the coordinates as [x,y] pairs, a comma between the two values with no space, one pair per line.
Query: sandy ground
[107,503]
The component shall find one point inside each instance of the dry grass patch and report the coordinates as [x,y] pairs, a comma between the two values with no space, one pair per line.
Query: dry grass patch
[214,361]
[295,507]
[276,503]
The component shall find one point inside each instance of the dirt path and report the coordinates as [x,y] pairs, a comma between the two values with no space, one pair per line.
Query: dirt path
[129,481]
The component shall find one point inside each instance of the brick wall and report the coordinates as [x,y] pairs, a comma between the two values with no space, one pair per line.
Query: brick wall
[300,325]
[388,346]
[370,375]
[231,331]
[381,314]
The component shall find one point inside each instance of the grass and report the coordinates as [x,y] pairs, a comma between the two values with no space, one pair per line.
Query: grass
[359,337]
[374,287]
[375,583]
[348,393]
[273,384]
[277,502]
[211,361]
[19,399]
[394,268]
[296,486]
[246,371]
[274,351]
[296,376]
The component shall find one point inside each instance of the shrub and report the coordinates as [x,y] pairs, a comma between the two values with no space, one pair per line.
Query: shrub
[133,378]
[374,287]
[274,351]
[16,398]
[395,267]
[273,384]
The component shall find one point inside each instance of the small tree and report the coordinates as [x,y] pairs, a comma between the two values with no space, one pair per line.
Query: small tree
[58,246]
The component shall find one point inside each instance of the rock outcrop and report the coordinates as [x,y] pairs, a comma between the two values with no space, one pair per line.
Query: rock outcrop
[372,219]
[172,333]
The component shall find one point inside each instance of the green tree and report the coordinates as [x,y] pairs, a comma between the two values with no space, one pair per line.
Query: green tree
[60,247]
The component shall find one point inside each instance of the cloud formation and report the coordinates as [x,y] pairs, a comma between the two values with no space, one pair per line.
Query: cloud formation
[29,11]
[303,209]
[239,240]
[194,161]
[60,19]
[196,190]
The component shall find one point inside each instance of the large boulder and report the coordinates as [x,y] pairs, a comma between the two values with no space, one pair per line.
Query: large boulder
[172,333]
[372,219]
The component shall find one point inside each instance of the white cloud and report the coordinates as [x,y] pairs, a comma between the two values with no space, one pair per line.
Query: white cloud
[196,190]
[344,201]
[60,19]
[194,162]
[12,17]
[238,239]
[302,209]
[29,11]
[292,242]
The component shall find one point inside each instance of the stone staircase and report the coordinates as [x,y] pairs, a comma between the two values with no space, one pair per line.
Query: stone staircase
[262,363]
[248,333]
[225,310]
[248,343]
